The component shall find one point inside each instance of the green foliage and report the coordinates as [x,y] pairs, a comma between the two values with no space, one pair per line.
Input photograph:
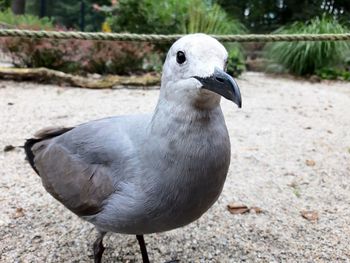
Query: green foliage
[268,15]
[303,58]
[173,16]
[236,63]
[25,21]
[333,74]
[149,16]
[66,13]
[4,5]
[210,18]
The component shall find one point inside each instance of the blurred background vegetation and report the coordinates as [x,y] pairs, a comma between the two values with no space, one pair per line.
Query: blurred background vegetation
[327,60]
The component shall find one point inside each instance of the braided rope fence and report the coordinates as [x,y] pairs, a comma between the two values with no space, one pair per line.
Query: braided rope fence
[53,75]
[152,38]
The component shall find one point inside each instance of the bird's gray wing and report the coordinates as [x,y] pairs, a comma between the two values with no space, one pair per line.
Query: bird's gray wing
[80,185]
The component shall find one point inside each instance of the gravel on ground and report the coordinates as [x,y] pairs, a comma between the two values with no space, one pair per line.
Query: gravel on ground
[290,158]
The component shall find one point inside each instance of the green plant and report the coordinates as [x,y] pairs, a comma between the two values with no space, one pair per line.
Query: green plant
[67,13]
[236,62]
[149,16]
[25,21]
[4,4]
[304,58]
[170,17]
[333,74]
[268,15]
[210,18]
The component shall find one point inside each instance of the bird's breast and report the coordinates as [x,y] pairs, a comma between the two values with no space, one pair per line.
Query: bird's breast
[190,170]
[181,170]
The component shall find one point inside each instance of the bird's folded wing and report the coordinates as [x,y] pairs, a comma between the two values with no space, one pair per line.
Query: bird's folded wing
[82,187]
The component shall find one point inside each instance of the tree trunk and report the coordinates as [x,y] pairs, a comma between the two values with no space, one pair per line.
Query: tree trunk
[18,6]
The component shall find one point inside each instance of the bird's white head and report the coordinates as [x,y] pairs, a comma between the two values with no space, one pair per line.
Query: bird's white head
[194,72]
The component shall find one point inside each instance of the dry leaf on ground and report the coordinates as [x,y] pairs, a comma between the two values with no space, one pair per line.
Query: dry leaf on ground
[19,213]
[236,209]
[310,162]
[311,216]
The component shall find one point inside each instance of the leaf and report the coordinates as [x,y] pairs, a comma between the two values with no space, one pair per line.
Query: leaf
[311,216]
[237,209]
[19,213]
[310,162]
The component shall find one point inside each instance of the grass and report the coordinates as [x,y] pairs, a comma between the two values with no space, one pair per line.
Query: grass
[25,21]
[305,57]
[210,19]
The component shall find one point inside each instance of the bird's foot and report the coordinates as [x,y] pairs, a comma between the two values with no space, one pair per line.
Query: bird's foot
[99,248]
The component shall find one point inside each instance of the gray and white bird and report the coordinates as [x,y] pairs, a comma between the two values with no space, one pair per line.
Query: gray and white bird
[141,174]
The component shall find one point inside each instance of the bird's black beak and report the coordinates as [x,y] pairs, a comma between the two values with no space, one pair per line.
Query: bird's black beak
[223,84]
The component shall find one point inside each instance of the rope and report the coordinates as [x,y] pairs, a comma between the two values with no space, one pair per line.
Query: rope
[168,38]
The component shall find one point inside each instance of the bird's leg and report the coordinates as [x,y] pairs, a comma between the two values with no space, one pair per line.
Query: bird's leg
[98,247]
[143,248]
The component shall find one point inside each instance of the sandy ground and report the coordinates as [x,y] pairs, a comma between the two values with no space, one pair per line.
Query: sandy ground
[290,153]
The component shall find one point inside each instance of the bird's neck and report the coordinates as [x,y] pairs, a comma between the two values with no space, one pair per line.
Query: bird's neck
[170,116]
[188,145]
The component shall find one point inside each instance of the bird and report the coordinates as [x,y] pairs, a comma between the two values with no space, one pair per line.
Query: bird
[147,173]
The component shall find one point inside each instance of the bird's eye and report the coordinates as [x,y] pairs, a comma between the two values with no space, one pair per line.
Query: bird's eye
[180,57]
[225,65]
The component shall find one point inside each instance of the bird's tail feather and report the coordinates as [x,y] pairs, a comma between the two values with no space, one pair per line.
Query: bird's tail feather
[41,135]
